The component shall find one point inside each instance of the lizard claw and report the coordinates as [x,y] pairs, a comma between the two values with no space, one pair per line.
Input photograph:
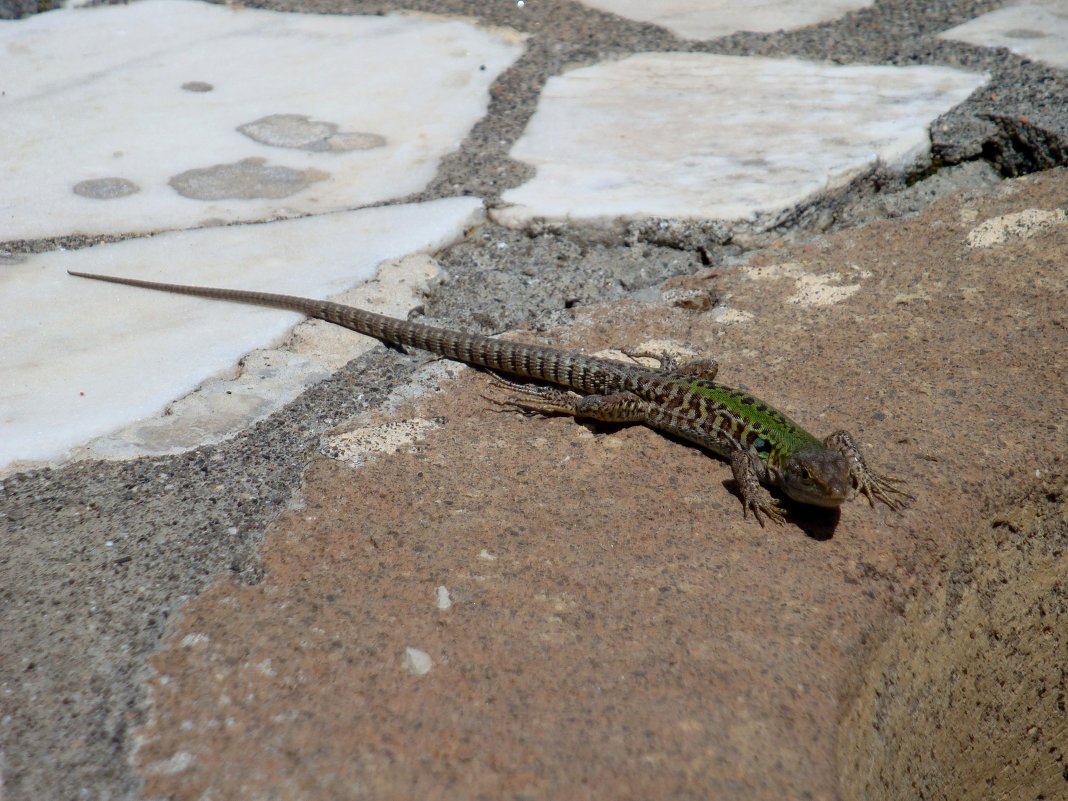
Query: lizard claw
[744,465]
[764,504]
[875,487]
[871,485]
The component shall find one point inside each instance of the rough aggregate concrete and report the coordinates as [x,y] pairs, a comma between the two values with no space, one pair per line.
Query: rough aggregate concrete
[79,615]
[78,619]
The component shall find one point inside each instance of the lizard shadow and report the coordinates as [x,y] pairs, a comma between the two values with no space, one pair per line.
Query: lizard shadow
[817,522]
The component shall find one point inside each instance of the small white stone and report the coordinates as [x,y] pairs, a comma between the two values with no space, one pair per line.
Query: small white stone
[484,554]
[444,600]
[181,761]
[265,668]
[417,662]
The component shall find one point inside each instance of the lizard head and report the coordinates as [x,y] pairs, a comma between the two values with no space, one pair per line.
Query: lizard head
[817,476]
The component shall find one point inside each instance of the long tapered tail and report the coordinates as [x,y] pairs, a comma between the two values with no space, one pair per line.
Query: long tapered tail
[583,373]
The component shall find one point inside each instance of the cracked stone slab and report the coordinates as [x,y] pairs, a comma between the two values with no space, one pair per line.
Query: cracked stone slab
[88,364]
[671,135]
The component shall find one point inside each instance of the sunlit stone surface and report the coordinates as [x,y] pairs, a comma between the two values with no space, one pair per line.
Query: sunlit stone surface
[1037,29]
[703,136]
[168,114]
[83,358]
[707,19]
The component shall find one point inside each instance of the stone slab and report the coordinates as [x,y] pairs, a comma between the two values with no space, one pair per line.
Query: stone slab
[616,629]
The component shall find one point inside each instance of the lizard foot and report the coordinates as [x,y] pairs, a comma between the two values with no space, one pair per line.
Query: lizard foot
[764,504]
[875,487]
[746,468]
[865,481]
[702,367]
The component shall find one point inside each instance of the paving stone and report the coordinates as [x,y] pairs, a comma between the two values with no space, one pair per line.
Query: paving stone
[672,135]
[181,120]
[97,362]
[1036,29]
[701,19]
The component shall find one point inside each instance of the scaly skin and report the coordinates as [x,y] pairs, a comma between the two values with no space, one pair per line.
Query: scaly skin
[762,445]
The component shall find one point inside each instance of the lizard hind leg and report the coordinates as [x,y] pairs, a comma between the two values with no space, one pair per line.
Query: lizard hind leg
[618,407]
[867,482]
[535,399]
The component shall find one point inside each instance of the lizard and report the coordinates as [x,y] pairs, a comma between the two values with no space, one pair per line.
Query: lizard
[762,445]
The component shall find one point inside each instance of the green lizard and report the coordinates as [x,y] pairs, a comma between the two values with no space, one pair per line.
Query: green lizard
[762,445]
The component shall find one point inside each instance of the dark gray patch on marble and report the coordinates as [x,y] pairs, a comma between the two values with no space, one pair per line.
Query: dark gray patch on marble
[1025,33]
[247,179]
[106,188]
[356,140]
[299,132]
[197,86]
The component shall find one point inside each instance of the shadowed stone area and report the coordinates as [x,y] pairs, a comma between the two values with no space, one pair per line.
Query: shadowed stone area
[967,700]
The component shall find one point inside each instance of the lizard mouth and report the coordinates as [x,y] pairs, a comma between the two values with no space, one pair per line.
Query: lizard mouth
[827,498]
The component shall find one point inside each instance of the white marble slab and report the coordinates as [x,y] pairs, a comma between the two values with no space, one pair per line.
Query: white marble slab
[83,358]
[1037,29]
[690,135]
[708,19]
[167,114]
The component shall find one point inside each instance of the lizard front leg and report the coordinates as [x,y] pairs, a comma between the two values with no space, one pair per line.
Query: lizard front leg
[748,469]
[866,482]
